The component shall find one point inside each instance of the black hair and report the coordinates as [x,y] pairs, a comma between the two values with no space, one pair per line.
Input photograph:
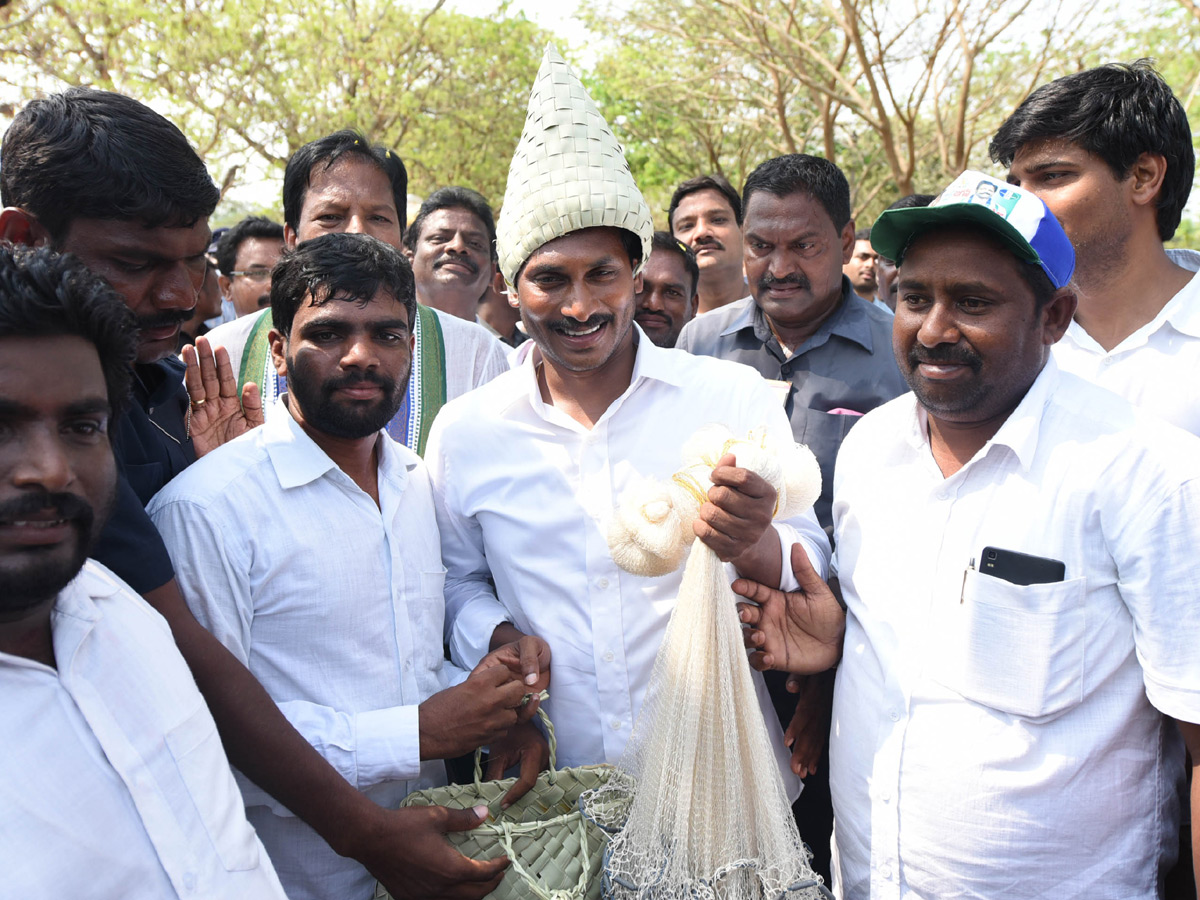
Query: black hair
[862,234]
[453,198]
[98,155]
[49,294]
[800,173]
[913,201]
[328,150]
[347,267]
[664,240]
[1116,112]
[714,182]
[249,227]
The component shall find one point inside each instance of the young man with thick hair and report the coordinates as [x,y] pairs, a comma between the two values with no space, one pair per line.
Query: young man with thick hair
[1109,150]
[668,298]
[303,608]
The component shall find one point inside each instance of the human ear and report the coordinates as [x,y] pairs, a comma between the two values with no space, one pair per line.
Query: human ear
[278,344]
[1057,314]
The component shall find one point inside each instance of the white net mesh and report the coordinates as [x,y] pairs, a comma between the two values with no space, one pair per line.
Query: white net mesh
[699,800]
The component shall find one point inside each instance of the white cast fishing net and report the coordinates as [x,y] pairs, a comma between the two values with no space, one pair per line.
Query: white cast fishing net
[698,796]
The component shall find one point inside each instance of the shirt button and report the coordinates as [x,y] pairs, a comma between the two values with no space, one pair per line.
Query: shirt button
[942,495]
[602,583]
[189,881]
[885,871]
[1108,360]
[893,715]
[609,656]
[885,795]
[616,724]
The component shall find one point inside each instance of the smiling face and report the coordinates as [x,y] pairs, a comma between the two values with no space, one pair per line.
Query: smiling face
[352,196]
[576,296]
[347,365]
[158,271]
[704,221]
[794,258]
[452,261]
[967,334]
[57,474]
[667,300]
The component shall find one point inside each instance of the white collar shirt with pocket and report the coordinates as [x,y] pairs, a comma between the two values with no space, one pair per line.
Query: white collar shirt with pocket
[333,603]
[993,740]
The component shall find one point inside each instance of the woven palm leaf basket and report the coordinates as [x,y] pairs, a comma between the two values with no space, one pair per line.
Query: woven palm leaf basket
[555,850]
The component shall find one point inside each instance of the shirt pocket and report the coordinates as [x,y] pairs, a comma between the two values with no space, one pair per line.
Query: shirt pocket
[1015,648]
[204,769]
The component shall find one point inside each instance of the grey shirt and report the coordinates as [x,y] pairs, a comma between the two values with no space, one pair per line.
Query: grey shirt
[846,364]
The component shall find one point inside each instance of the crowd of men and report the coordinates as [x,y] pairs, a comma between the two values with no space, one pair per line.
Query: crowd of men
[291,517]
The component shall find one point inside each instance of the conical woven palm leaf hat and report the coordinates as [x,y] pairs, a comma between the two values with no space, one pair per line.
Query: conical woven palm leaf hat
[568,173]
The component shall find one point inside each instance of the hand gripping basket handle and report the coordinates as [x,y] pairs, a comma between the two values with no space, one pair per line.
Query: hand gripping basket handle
[505,831]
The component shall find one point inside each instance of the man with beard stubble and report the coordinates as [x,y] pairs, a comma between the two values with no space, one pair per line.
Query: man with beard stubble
[343,628]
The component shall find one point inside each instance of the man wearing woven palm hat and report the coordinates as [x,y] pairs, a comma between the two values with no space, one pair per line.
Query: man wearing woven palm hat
[592,407]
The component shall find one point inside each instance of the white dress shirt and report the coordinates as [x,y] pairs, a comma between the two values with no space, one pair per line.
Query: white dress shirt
[334,604]
[992,740]
[523,495]
[116,786]
[1157,367]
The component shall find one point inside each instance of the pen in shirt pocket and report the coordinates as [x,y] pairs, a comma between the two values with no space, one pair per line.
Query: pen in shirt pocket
[962,593]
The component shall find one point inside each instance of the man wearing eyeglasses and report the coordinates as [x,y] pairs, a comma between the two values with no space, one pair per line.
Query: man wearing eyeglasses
[247,253]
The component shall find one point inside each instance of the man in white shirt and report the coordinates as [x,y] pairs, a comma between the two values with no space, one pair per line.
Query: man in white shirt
[310,549]
[341,183]
[1014,547]
[116,785]
[1109,150]
[527,470]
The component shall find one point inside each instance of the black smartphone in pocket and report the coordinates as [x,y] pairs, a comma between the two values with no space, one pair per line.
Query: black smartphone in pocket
[1021,568]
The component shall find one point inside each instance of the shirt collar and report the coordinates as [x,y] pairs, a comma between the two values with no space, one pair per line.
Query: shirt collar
[849,321]
[649,361]
[1019,432]
[299,461]
[1183,310]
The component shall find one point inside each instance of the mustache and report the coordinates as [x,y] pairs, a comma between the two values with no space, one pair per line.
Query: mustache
[799,279]
[955,354]
[352,378]
[574,324]
[164,318]
[704,243]
[65,506]
[464,260]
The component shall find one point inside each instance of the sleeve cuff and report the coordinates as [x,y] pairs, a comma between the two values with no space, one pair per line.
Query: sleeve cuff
[818,554]
[471,633]
[387,745]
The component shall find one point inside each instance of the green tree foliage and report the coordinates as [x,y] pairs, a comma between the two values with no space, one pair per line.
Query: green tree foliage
[258,78]
[902,94]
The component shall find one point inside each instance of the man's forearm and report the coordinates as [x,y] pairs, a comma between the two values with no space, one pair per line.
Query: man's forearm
[258,739]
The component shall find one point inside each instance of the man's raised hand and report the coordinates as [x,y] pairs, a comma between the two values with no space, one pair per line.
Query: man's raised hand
[218,413]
